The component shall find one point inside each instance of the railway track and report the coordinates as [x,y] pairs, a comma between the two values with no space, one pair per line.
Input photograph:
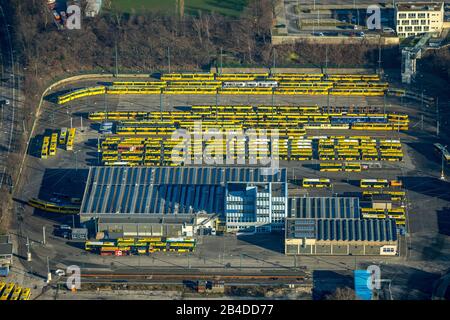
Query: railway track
[156,277]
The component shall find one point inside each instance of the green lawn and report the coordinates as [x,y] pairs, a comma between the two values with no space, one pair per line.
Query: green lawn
[226,7]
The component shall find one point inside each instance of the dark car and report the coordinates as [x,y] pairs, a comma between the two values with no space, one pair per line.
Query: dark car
[63,232]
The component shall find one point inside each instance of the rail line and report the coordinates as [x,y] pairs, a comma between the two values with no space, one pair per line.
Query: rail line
[196,276]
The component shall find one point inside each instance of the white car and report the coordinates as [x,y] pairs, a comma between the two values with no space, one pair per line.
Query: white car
[60,273]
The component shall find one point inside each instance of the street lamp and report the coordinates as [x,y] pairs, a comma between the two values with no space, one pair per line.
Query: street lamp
[442,166]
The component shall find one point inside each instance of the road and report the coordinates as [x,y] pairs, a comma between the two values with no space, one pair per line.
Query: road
[8,91]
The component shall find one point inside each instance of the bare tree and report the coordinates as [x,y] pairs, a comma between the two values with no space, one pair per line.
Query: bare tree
[345,293]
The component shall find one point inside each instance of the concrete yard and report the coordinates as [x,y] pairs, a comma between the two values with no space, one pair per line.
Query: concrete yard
[424,251]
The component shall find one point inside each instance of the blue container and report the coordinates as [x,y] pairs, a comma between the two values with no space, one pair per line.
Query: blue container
[362,290]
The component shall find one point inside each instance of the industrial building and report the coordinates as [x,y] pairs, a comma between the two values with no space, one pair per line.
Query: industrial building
[173,201]
[332,226]
[414,18]
[6,253]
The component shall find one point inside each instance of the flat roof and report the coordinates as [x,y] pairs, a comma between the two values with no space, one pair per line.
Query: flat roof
[157,219]
[420,6]
[369,230]
[165,190]
[4,238]
[323,207]
[6,248]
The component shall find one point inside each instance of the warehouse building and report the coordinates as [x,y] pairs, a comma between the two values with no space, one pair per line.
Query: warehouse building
[168,201]
[414,18]
[6,251]
[332,226]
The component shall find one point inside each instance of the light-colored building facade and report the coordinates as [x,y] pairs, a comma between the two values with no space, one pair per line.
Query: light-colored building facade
[414,18]
[333,226]
[256,207]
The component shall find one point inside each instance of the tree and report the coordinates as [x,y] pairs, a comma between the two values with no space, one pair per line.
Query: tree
[345,293]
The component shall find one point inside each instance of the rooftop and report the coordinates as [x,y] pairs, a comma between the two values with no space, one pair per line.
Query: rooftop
[6,249]
[420,6]
[369,230]
[165,190]
[324,208]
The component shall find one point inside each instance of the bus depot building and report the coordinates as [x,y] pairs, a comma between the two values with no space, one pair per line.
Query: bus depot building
[177,201]
[332,226]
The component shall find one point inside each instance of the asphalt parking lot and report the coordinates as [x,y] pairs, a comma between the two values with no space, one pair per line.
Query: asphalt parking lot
[426,245]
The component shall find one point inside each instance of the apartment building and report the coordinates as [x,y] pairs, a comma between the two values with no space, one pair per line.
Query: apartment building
[413,18]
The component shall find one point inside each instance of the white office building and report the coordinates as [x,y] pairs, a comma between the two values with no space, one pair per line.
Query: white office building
[414,18]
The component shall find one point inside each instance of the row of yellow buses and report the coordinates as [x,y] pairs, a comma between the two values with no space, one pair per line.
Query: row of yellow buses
[340,167]
[140,246]
[208,83]
[396,195]
[80,93]
[12,291]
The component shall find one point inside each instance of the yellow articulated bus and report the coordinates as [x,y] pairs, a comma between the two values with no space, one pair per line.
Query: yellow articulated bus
[395,195]
[62,136]
[140,83]
[70,139]
[187,76]
[374,216]
[16,293]
[45,145]
[77,94]
[352,167]
[330,167]
[25,294]
[54,138]
[241,76]
[7,291]
[374,183]
[316,183]
[54,207]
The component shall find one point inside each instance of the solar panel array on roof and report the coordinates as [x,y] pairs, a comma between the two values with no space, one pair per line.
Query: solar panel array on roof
[370,230]
[323,208]
[343,229]
[302,228]
[161,190]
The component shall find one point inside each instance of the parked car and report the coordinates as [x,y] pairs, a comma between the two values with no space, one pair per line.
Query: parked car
[388,30]
[60,273]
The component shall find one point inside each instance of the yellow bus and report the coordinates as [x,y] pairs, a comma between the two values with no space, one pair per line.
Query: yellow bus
[316,183]
[352,167]
[7,292]
[16,294]
[374,183]
[25,295]
[45,145]
[330,167]
[63,136]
